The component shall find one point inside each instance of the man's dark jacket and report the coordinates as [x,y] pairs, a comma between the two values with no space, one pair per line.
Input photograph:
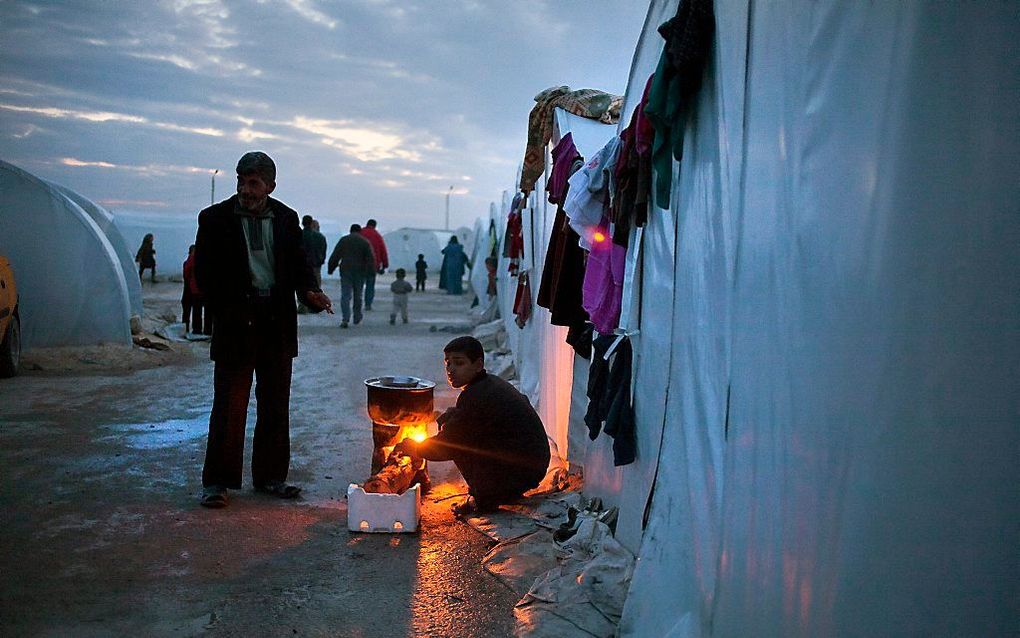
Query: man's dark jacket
[221,266]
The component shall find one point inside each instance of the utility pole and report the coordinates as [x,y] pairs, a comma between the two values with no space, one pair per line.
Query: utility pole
[212,192]
[448,193]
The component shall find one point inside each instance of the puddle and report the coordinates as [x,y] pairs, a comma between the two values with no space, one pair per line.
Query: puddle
[160,434]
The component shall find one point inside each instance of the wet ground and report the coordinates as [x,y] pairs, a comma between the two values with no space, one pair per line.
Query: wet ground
[103,534]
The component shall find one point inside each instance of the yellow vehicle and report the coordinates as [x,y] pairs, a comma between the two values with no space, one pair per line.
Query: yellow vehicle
[10,322]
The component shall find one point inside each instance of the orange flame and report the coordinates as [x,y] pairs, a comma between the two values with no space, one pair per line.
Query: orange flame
[599,237]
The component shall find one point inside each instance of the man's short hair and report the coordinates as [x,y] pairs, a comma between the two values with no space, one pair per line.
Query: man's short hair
[259,163]
[355,228]
[466,345]
[307,221]
[370,223]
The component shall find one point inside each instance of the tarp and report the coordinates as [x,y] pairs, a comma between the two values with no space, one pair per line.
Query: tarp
[840,447]
[70,280]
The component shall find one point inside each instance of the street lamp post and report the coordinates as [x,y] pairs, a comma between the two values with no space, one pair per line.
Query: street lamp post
[212,192]
[448,193]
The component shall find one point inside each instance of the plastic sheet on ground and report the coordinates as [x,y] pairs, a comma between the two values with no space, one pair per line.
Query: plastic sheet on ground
[585,592]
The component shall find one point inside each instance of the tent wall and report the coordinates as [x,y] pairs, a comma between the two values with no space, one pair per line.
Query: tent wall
[405,244]
[125,256]
[70,281]
[839,456]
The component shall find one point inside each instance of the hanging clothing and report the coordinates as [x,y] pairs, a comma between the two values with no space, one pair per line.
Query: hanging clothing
[633,173]
[522,301]
[589,191]
[602,290]
[589,103]
[609,399]
[563,155]
[688,37]
[514,241]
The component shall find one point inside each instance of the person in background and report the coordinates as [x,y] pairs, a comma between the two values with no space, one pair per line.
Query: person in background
[191,299]
[315,250]
[490,266]
[454,261]
[353,256]
[493,435]
[249,262]
[382,260]
[420,270]
[146,258]
[400,288]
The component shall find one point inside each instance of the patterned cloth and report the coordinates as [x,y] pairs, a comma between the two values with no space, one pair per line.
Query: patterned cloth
[589,103]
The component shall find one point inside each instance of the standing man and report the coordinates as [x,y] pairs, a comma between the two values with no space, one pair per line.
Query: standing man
[315,251]
[250,264]
[382,260]
[353,255]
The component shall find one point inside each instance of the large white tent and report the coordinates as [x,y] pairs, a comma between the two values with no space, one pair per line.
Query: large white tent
[825,325]
[71,283]
[405,244]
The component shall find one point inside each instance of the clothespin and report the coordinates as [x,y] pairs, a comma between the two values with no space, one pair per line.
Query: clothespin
[621,334]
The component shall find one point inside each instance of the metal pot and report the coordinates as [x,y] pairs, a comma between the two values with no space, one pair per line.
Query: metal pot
[400,401]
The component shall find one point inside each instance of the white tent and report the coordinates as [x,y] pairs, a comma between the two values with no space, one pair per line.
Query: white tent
[825,327]
[104,220]
[71,283]
[405,244]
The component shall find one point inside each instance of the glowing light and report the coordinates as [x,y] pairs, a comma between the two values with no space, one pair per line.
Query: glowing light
[599,237]
[364,526]
[418,436]
[397,526]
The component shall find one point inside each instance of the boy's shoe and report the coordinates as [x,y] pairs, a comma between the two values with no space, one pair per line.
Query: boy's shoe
[343,324]
[393,319]
[405,319]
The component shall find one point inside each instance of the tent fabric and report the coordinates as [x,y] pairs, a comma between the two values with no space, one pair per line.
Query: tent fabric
[405,244]
[125,255]
[70,281]
[839,451]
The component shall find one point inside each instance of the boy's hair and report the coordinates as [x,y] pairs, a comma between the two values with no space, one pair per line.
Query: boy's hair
[401,273]
[466,345]
[421,256]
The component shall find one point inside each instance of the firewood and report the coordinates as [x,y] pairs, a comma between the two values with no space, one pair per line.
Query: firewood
[394,478]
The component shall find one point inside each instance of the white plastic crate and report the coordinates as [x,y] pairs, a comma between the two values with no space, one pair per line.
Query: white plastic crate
[383,513]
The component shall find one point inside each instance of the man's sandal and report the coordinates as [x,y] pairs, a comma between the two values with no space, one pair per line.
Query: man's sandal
[279,489]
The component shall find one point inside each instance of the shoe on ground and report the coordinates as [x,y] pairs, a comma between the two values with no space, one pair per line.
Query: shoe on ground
[464,508]
[343,324]
[405,319]
[279,489]
[393,319]
[214,496]
[368,307]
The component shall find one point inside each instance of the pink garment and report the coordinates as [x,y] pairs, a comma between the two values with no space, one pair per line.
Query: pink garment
[563,156]
[602,290]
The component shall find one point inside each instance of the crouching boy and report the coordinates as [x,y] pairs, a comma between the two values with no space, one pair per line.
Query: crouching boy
[493,435]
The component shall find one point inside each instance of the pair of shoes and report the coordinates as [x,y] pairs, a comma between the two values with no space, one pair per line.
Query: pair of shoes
[279,489]
[393,319]
[343,324]
[214,496]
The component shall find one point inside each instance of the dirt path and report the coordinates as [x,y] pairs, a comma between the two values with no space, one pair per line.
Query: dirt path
[103,535]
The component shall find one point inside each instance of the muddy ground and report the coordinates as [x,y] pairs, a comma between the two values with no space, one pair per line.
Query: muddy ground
[101,452]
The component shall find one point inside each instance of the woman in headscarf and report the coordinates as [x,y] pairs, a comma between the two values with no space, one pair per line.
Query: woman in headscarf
[455,260]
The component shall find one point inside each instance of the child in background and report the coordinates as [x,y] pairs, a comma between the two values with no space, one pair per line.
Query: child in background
[419,273]
[400,289]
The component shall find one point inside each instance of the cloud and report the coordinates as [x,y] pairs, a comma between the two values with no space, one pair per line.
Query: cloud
[368,142]
[144,203]
[107,116]
[156,170]
[305,9]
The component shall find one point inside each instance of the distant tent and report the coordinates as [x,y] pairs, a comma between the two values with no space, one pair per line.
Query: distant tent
[71,283]
[405,244]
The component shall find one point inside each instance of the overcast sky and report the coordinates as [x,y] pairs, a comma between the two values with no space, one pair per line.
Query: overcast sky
[371,108]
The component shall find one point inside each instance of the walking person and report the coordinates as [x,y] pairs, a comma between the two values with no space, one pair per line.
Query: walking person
[191,299]
[382,260]
[146,258]
[400,289]
[455,262]
[250,263]
[420,269]
[315,251]
[353,256]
